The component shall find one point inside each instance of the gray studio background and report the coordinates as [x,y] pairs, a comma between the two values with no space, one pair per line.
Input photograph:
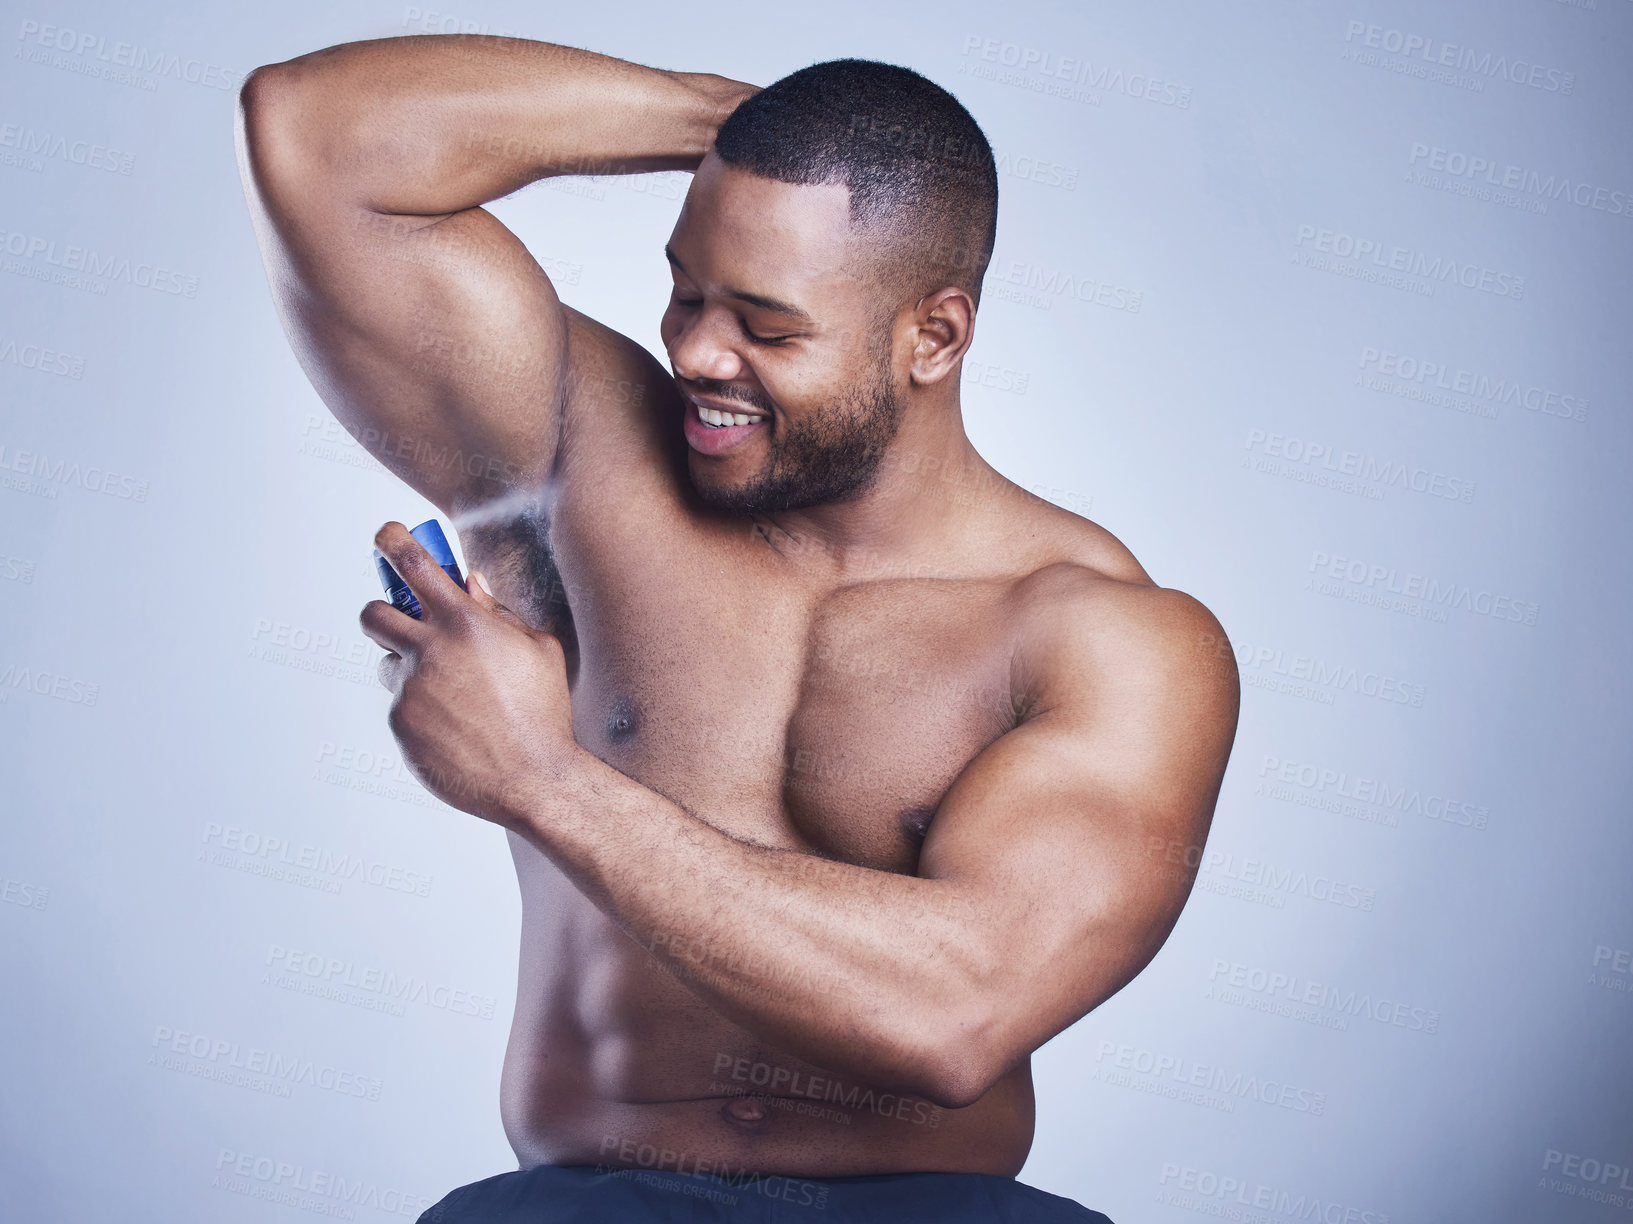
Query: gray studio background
[1322,308]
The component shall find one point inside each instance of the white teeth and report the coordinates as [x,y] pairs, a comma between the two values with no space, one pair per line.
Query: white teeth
[712,416]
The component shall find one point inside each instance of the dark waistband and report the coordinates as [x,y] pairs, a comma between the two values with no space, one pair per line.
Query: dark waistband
[559,1194]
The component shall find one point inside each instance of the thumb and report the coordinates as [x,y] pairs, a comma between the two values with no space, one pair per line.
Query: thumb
[477,587]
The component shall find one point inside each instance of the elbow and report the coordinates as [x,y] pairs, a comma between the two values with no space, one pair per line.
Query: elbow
[291,145]
[265,92]
[957,1064]
[286,124]
[309,137]
[957,1078]
[266,102]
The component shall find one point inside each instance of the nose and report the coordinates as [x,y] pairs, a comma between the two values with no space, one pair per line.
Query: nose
[698,350]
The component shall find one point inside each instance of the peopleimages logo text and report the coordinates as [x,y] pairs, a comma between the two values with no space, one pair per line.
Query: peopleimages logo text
[1407,262]
[1273,660]
[1232,1198]
[1463,59]
[283,1068]
[1370,469]
[134,56]
[1296,990]
[1488,390]
[1137,1060]
[1078,70]
[332,971]
[1492,173]
[1342,784]
[72,258]
[1422,587]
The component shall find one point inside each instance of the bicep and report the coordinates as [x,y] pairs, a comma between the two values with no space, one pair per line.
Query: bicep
[1049,832]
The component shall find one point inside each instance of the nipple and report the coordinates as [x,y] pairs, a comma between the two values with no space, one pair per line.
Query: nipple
[915,823]
[621,720]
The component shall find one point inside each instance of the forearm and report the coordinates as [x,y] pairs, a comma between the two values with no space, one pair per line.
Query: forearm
[429,125]
[872,973]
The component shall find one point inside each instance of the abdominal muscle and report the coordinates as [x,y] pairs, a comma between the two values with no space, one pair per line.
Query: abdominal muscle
[613,1061]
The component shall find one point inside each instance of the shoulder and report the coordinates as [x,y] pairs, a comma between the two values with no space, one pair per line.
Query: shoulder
[1090,623]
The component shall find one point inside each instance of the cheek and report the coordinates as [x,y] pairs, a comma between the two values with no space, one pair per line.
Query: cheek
[791,390]
[814,381]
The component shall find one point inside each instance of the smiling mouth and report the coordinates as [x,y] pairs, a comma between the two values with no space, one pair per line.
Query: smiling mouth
[716,419]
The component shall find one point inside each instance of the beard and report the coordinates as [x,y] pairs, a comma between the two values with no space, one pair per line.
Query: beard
[832,456]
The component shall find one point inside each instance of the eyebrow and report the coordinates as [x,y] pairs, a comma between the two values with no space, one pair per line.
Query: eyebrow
[753,299]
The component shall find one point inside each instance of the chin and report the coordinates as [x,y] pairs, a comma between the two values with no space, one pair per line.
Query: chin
[728,496]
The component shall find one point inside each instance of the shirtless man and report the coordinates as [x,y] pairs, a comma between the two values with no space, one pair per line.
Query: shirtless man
[831,761]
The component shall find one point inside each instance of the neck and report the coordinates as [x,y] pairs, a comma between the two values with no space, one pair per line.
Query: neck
[908,516]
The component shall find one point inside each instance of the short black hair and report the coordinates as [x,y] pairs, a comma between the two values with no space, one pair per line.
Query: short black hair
[917,164]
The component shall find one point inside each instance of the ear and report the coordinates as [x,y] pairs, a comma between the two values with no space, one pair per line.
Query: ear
[944,325]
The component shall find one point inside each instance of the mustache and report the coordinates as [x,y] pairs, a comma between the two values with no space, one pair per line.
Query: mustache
[725,390]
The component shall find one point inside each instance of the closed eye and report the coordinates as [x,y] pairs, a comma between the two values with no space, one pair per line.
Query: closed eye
[748,333]
[755,339]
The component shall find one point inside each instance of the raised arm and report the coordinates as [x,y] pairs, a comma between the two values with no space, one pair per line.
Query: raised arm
[425,325]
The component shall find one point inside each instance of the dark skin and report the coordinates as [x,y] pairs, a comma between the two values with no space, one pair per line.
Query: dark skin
[861,791]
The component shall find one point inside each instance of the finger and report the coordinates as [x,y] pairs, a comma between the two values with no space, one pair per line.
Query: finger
[430,583]
[393,671]
[392,628]
[482,595]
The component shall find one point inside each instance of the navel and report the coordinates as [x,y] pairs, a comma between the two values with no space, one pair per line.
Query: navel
[746,1111]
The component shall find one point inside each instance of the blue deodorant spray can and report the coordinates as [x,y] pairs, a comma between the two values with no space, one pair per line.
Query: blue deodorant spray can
[429,534]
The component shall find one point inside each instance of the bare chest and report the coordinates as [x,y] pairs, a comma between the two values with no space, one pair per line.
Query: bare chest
[830,722]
